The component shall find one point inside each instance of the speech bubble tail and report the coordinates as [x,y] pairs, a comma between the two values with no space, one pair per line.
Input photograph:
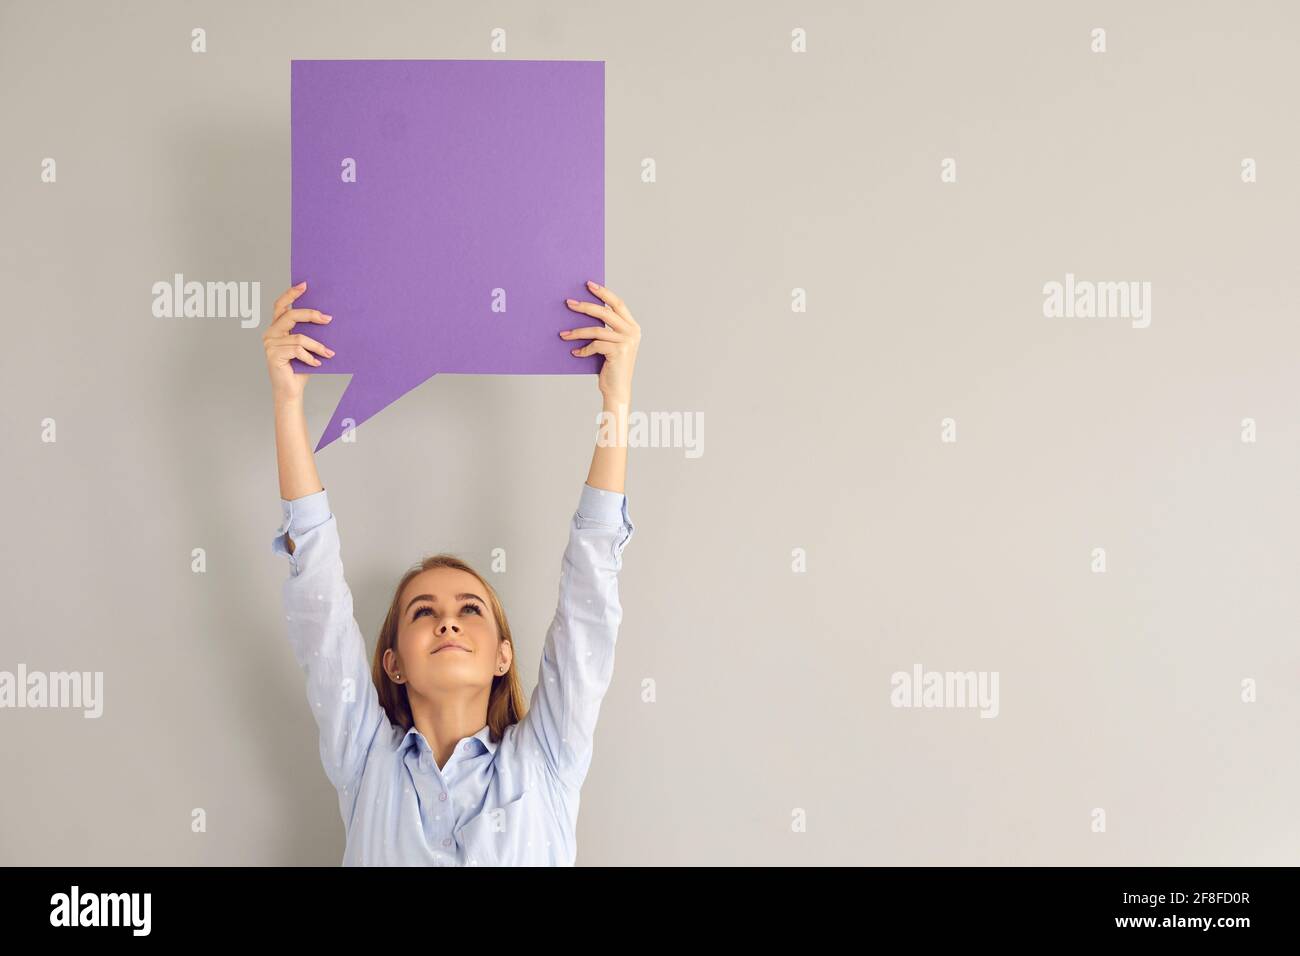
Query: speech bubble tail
[347,414]
[366,396]
[325,438]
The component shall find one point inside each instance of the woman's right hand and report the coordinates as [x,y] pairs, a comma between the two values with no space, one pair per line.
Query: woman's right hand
[283,344]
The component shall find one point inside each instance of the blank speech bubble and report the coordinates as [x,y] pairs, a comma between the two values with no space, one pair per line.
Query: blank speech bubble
[479,184]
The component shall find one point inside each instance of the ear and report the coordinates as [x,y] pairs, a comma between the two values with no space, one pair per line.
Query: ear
[391,666]
[505,654]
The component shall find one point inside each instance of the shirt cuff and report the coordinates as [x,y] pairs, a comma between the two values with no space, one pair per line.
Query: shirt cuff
[300,516]
[604,507]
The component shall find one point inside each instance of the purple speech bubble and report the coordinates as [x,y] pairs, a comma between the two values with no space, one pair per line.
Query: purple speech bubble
[480,184]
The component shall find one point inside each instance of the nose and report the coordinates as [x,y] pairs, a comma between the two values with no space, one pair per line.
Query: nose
[449,626]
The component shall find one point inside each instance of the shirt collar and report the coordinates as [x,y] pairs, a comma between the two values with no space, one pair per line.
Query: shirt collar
[414,738]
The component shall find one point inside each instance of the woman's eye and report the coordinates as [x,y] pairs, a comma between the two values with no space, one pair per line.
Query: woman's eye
[472,607]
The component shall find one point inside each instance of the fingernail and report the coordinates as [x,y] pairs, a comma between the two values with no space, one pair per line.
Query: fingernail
[563,333]
[300,284]
[568,301]
[573,351]
[329,352]
[326,317]
[592,284]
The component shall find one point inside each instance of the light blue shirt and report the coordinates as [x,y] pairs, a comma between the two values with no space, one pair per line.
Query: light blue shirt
[510,803]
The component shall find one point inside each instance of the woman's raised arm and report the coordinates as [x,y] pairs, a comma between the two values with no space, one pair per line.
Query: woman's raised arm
[297,464]
[319,619]
[578,653]
[618,340]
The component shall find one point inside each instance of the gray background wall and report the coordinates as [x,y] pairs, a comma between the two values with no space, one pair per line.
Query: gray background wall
[776,171]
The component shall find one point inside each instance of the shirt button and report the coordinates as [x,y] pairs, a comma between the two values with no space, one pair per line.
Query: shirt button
[447,842]
[442,796]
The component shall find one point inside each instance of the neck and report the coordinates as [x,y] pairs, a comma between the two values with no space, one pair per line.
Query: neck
[447,720]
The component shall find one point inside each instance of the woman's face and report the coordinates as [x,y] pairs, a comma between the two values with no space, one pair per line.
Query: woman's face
[446,637]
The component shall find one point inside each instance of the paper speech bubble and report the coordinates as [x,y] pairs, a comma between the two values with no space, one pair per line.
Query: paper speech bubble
[478,207]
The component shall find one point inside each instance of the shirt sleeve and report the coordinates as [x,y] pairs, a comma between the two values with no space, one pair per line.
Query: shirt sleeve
[328,643]
[578,653]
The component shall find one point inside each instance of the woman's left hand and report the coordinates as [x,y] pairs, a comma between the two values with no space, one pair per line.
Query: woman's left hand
[617,340]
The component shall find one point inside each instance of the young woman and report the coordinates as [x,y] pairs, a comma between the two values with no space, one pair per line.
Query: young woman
[435,755]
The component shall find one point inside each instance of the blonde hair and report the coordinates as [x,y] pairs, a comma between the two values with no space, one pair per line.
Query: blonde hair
[506,702]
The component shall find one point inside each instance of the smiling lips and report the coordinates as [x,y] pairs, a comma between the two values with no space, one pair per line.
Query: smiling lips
[452,646]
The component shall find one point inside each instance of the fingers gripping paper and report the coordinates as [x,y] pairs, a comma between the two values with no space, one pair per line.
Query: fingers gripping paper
[443,210]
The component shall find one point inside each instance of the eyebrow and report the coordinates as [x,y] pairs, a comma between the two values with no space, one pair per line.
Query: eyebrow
[430,597]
